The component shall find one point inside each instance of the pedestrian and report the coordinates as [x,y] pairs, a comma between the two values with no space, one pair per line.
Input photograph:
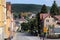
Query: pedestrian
[44,34]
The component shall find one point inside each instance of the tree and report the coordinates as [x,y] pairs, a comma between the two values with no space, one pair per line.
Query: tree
[54,9]
[15,15]
[33,26]
[39,24]
[25,26]
[44,9]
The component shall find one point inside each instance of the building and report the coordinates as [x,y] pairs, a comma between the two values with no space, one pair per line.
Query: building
[2,18]
[22,20]
[10,26]
[57,19]
[42,19]
[48,20]
[7,27]
[32,16]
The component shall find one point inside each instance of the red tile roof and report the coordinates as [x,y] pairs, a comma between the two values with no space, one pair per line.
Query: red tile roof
[43,16]
[58,22]
[22,19]
[58,17]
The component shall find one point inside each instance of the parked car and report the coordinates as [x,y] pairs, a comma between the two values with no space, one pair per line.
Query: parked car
[55,34]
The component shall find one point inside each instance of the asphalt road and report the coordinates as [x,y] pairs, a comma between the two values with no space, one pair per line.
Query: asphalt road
[26,36]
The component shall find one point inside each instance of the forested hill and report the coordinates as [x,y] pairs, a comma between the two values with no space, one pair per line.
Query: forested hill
[26,8]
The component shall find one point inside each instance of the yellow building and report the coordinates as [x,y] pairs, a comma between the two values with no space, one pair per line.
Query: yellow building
[47,21]
[50,21]
[9,28]
[2,12]
[2,18]
[6,20]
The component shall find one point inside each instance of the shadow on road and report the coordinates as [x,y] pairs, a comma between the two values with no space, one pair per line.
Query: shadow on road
[24,34]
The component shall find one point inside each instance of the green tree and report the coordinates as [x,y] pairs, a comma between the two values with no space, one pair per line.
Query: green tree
[54,9]
[25,26]
[33,26]
[39,24]
[44,9]
[15,15]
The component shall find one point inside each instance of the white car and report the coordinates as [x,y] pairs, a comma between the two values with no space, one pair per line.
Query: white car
[55,33]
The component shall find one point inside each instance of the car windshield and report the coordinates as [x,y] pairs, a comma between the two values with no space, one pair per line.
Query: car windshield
[56,30]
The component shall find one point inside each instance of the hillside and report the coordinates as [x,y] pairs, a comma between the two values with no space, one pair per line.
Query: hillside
[26,8]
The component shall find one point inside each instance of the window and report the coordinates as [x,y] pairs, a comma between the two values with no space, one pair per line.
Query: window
[46,25]
[47,20]
[54,20]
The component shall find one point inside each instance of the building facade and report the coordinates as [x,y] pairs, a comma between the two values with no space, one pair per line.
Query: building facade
[2,18]
[50,22]
[9,28]
[8,21]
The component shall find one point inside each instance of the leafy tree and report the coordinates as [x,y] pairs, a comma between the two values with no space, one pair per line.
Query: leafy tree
[24,26]
[54,9]
[33,26]
[39,24]
[44,9]
[15,15]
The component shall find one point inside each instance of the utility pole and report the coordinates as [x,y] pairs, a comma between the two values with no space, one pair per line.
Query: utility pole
[2,18]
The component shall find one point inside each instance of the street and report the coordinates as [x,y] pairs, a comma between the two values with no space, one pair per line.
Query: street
[25,36]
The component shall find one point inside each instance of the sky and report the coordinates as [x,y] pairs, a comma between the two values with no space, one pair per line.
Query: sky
[39,2]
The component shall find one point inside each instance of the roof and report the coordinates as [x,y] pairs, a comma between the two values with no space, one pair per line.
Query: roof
[22,19]
[43,16]
[58,22]
[57,17]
